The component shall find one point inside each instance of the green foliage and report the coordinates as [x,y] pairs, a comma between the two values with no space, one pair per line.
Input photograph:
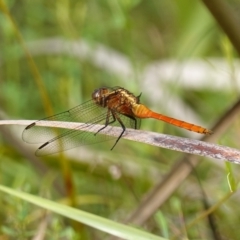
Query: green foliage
[107,183]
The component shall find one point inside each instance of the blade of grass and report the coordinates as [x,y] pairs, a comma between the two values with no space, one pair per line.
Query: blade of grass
[105,225]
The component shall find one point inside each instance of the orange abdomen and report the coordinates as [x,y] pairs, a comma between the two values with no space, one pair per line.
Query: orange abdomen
[142,111]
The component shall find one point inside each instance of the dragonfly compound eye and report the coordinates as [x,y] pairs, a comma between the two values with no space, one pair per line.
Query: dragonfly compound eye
[99,95]
[96,94]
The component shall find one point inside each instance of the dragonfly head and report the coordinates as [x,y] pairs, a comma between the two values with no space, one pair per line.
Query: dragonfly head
[99,95]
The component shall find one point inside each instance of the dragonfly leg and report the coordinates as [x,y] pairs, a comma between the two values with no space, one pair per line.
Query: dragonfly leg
[107,121]
[123,128]
[135,123]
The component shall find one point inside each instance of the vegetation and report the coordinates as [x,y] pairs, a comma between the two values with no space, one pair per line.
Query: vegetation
[53,54]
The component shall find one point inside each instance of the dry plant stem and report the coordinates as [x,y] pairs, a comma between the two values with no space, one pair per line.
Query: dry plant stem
[186,145]
[227,18]
[164,188]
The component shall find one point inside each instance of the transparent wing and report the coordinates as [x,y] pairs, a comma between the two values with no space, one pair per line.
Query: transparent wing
[81,113]
[88,112]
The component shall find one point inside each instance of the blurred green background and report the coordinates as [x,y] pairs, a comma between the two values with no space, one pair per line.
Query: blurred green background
[78,46]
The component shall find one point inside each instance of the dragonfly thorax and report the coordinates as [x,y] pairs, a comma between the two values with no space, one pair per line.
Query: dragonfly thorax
[114,97]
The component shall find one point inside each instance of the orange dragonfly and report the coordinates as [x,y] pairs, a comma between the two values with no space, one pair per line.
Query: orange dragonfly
[109,107]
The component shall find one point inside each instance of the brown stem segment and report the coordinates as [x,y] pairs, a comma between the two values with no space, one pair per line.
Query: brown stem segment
[142,111]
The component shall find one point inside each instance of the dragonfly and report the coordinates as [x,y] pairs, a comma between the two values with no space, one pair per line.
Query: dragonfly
[108,107]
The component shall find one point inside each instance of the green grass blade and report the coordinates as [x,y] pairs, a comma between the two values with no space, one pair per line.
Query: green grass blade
[105,225]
